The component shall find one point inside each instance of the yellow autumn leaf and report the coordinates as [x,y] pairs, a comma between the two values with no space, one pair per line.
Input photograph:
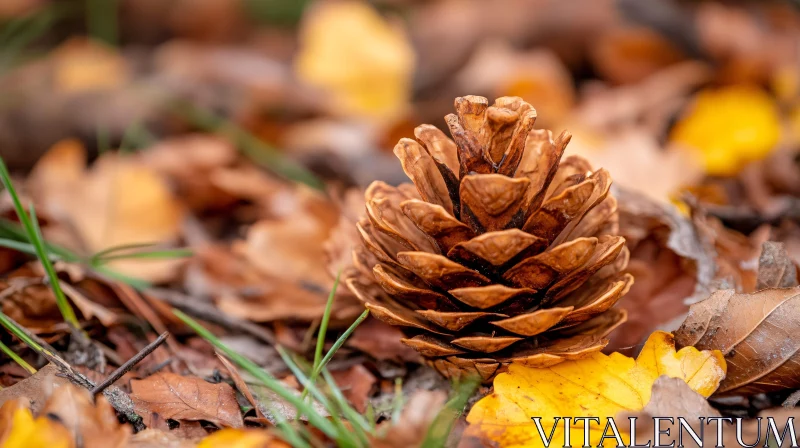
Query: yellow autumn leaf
[27,432]
[366,64]
[240,438]
[729,127]
[597,386]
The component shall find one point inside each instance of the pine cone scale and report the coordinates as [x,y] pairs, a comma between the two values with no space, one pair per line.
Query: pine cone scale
[501,253]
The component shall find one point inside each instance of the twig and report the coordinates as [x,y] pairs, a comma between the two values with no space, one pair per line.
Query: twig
[792,400]
[128,365]
[118,399]
[206,312]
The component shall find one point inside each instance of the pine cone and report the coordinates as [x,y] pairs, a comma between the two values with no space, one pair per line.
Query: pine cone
[503,252]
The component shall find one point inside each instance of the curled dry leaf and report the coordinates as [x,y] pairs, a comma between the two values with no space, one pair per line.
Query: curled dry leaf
[118,201]
[673,398]
[91,420]
[597,386]
[70,415]
[668,262]
[176,397]
[278,271]
[755,332]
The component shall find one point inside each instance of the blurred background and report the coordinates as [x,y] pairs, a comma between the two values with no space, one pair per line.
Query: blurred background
[676,89]
[216,124]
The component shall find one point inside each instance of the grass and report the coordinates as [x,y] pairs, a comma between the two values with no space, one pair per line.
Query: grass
[346,427]
[248,144]
[15,357]
[34,234]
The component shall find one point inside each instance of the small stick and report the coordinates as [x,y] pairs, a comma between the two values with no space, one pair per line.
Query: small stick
[129,364]
[792,400]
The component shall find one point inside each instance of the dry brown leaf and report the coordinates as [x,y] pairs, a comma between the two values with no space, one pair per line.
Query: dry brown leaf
[184,398]
[775,268]
[156,438]
[279,270]
[755,332]
[118,201]
[382,342]
[356,384]
[626,55]
[35,389]
[668,263]
[95,423]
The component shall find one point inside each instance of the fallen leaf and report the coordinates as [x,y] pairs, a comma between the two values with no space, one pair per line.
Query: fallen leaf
[190,398]
[668,262]
[672,397]
[87,64]
[42,432]
[241,438]
[728,127]
[365,63]
[356,384]
[382,342]
[597,386]
[119,201]
[95,423]
[775,268]
[626,55]
[36,388]
[755,333]
[155,438]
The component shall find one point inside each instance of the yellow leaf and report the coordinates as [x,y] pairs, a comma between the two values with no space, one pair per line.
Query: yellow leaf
[240,438]
[27,432]
[349,50]
[597,386]
[729,127]
[86,65]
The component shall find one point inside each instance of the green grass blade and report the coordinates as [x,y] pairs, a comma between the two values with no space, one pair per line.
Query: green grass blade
[31,225]
[442,425]
[252,147]
[345,438]
[14,231]
[161,254]
[339,342]
[15,357]
[102,20]
[360,424]
[323,329]
[318,421]
[12,328]
[18,246]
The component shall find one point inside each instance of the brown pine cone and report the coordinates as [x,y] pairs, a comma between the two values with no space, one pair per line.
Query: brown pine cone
[503,252]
